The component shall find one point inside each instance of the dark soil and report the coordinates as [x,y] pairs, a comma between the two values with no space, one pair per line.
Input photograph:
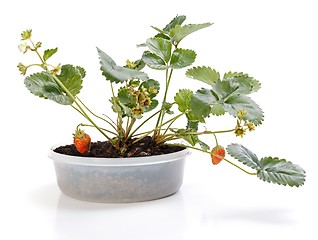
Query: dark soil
[144,147]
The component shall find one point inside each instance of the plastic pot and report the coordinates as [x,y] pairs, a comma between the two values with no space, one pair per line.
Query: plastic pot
[119,180]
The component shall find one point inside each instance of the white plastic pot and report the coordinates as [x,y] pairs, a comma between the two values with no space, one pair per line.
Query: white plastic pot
[119,180]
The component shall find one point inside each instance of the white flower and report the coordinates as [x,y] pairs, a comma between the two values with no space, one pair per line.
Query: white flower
[23,47]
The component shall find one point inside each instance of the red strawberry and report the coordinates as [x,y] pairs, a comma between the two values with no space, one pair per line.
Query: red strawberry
[217,154]
[82,141]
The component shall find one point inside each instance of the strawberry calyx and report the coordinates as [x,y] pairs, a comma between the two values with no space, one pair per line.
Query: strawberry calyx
[79,134]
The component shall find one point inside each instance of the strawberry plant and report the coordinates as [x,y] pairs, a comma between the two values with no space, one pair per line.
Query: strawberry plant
[135,100]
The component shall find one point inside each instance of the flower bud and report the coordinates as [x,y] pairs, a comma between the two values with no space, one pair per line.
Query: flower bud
[22,68]
[241,114]
[23,47]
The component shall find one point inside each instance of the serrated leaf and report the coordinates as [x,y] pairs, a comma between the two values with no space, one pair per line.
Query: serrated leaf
[179,32]
[81,71]
[200,103]
[178,20]
[217,109]
[48,53]
[115,73]
[161,47]
[71,77]
[242,82]
[182,58]
[183,99]
[280,171]
[43,85]
[158,29]
[154,61]
[243,155]
[194,125]
[203,74]
[236,103]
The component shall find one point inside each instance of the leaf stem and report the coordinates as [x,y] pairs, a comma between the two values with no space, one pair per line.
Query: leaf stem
[204,151]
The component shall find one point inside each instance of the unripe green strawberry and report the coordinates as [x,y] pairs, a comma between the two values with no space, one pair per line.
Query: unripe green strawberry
[217,154]
[82,141]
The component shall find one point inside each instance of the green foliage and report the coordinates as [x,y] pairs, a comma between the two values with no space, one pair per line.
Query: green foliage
[182,58]
[227,95]
[203,74]
[180,32]
[45,86]
[71,77]
[49,53]
[280,171]
[183,99]
[160,47]
[136,98]
[269,169]
[154,61]
[115,73]
[178,20]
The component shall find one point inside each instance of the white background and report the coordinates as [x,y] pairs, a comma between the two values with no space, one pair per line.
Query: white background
[274,41]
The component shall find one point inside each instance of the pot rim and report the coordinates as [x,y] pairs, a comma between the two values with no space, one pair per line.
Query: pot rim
[117,162]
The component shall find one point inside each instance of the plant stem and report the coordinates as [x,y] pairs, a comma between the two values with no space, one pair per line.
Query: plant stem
[89,125]
[128,130]
[201,150]
[154,130]
[119,118]
[162,112]
[103,119]
[81,110]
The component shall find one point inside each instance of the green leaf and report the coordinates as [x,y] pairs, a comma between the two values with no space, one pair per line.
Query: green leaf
[81,71]
[269,169]
[236,103]
[161,35]
[178,20]
[203,74]
[217,109]
[48,53]
[167,106]
[280,171]
[243,82]
[243,155]
[200,103]
[129,100]
[115,73]
[161,47]
[182,58]
[154,61]
[43,85]
[183,99]
[71,77]
[179,32]
[194,125]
